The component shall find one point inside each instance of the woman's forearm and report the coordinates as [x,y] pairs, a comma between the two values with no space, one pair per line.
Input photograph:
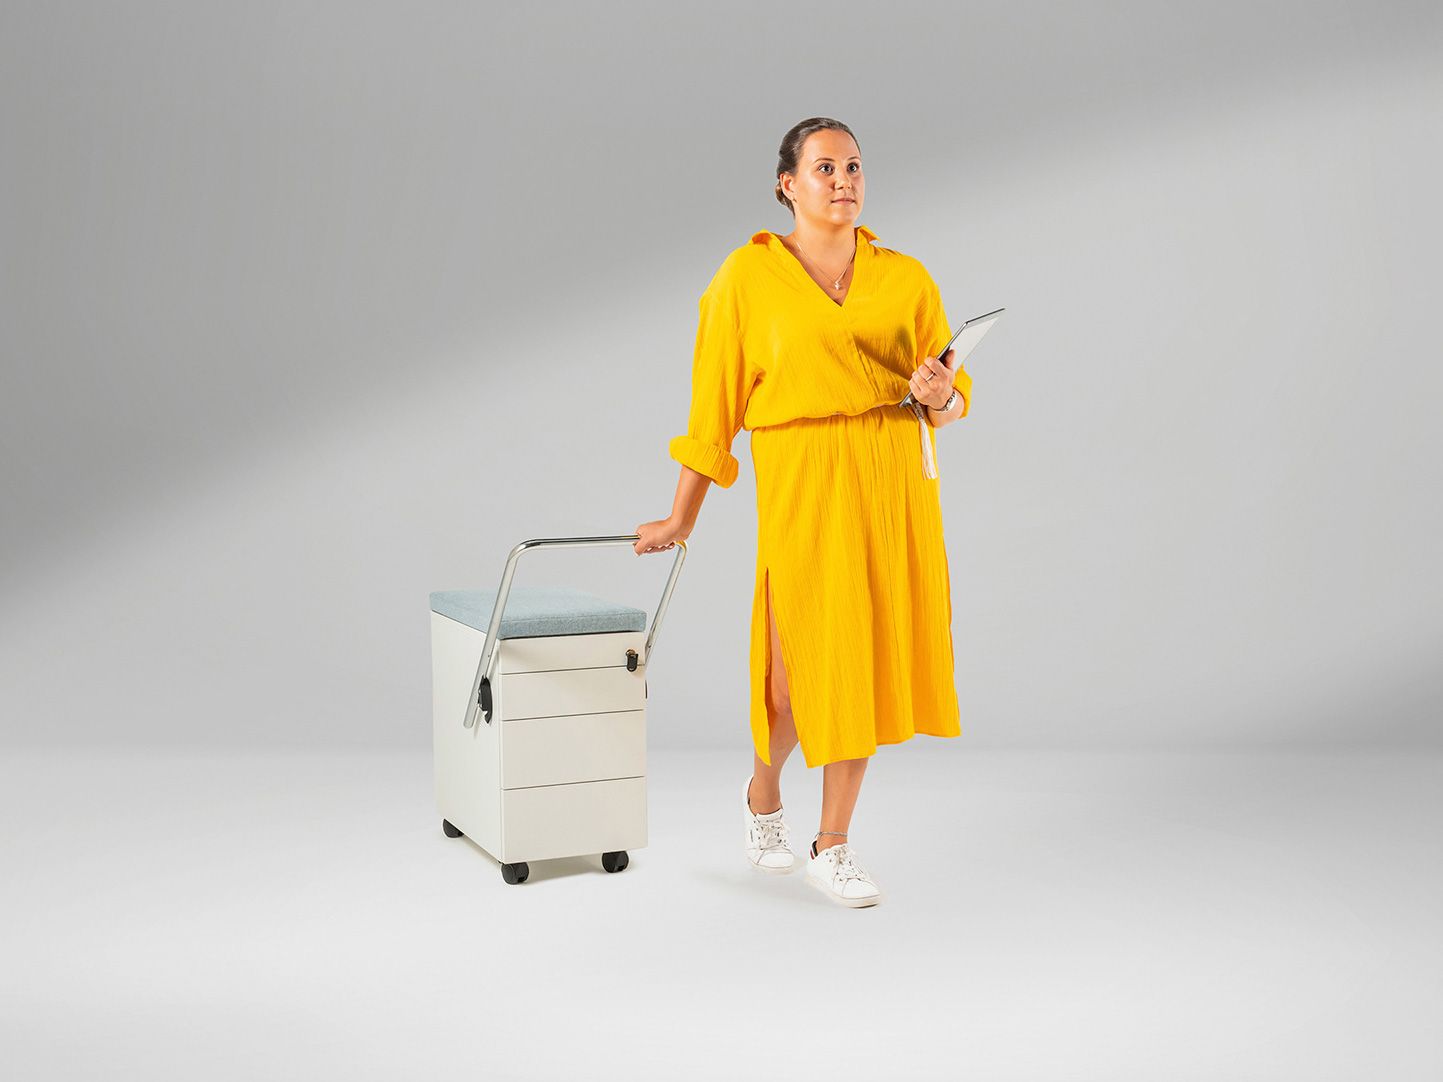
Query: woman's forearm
[691,490]
[939,419]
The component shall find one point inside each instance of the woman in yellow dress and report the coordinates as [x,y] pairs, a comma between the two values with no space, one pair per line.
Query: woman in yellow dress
[810,341]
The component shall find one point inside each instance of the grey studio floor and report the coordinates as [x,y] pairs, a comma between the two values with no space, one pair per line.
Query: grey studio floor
[298,914]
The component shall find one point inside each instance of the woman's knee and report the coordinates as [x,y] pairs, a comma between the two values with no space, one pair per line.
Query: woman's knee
[777,690]
[781,704]
[777,686]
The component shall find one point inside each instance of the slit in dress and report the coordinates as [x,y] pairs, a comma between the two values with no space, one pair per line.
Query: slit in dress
[767,676]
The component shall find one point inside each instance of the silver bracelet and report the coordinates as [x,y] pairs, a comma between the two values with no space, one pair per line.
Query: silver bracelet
[946,405]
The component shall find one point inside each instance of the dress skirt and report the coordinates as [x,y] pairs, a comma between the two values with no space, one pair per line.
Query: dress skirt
[849,540]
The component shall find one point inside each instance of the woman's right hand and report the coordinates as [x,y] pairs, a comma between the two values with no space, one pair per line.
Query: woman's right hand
[659,536]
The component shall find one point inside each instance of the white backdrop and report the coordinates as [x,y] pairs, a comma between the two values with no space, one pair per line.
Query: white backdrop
[284,292]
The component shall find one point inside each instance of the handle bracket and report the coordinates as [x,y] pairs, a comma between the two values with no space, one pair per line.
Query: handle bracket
[480,700]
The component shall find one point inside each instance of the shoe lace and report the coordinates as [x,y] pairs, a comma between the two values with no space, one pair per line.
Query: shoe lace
[847,866]
[770,833]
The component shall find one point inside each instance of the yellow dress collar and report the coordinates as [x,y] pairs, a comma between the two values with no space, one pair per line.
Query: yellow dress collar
[766,236]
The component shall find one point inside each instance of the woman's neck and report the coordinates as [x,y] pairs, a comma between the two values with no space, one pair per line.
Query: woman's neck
[832,244]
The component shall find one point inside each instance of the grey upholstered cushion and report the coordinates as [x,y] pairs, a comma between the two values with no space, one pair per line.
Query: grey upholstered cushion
[538,610]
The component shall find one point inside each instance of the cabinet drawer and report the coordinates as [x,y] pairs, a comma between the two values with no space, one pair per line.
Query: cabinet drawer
[571,691]
[577,747]
[571,820]
[535,654]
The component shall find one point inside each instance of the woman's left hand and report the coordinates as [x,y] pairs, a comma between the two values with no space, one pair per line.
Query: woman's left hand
[932,392]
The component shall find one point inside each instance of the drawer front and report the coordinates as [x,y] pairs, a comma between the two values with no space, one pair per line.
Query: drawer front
[590,817]
[571,691]
[542,652]
[578,747]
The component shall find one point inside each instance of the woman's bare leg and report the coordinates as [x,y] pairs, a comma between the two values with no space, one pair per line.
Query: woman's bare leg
[766,791]
[841,782]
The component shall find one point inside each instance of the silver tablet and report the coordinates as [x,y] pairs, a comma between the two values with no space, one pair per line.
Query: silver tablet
[968,335]
[964,340]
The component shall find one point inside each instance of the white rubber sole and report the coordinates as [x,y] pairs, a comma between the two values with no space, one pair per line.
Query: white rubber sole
[788,870]
[851,903]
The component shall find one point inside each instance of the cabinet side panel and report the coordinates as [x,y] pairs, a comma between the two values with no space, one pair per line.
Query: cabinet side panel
[467,761]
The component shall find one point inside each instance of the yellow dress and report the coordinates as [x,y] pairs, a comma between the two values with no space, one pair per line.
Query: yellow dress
[849,526]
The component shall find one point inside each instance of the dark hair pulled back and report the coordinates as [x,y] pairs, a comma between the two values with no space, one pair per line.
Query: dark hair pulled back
[791,149]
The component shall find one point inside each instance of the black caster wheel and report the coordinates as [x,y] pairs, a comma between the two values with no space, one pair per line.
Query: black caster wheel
[515,873]
[614,862]
[450,831]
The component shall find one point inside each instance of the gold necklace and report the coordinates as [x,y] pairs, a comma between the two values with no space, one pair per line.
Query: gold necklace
[838,283]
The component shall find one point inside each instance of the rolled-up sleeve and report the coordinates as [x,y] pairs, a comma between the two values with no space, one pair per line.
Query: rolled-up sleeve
[721,385]
[933,330]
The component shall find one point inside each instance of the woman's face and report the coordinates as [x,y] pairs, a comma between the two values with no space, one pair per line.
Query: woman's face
[827,186]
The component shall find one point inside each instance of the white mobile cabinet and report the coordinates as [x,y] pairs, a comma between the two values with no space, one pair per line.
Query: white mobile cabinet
[540,741]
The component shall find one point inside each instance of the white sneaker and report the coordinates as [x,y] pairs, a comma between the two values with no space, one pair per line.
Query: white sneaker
[767,846]
[835,872]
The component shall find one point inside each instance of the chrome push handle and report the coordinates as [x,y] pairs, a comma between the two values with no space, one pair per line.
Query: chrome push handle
[481,687]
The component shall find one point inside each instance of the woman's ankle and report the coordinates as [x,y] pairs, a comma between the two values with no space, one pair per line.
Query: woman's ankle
[758,801]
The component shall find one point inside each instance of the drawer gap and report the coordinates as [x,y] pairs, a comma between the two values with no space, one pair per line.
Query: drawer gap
[593,781]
